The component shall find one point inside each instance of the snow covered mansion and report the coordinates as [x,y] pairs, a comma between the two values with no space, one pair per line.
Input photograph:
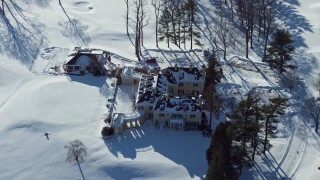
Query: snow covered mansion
[171,99]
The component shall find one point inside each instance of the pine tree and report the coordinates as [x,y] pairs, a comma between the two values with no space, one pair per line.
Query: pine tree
[270,113]
[213,102]
[279,52]
[219,154]
[194,35]
[244,119]
[164,26]
[214,70]
[312,107]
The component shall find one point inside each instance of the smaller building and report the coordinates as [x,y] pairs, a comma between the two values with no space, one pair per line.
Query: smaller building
[129,76]
[82,61]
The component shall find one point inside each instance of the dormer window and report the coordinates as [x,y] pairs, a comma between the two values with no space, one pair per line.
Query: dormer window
[161,106]
[193,107]
[151,99]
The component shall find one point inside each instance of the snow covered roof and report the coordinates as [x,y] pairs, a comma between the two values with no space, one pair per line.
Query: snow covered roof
[119,119]
[80,59]
[153,90]
[176,75]
[176,104]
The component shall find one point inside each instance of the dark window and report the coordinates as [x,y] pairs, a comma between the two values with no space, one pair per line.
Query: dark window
[180,92]
[173,115]
[161,115]
[192,116]
[150,107]
[180,84]
[70,67]
[76,67]
[195,84]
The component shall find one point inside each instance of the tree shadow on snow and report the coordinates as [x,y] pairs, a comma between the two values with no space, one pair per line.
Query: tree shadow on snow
[40,3]
[20,33]
[165,142]
[75,30]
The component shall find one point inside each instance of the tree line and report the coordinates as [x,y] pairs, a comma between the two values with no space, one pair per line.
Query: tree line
[176,22]
[235,143]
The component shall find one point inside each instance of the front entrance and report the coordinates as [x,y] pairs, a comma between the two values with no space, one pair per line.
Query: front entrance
[177,124]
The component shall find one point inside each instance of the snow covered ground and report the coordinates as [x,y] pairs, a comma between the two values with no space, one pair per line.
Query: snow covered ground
[73,107]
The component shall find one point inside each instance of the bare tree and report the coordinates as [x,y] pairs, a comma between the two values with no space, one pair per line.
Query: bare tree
[60,2]
[290,80]
[268,23]
[76,150]
[2,4]
[316,83]
[138,23]
[156,5]
[312,106]
[127,16]
[144,18]
[224,33]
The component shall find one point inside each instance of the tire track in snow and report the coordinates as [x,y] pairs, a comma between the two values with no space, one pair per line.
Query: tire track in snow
[296,148]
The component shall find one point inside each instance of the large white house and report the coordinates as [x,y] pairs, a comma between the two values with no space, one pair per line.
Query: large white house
[170,99]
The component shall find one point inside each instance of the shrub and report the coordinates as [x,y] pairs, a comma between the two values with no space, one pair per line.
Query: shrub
[108,120]
[107,131]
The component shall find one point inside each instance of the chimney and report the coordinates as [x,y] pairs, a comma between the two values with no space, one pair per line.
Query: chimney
[190,67]
[166,96]
[155,91]
[175,67]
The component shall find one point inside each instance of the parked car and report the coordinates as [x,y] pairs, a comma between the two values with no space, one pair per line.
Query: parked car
[151,60]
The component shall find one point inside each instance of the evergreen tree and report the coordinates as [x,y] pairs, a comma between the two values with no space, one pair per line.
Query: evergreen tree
[164,26]
[213,102]
[312,107]
[279,52]
[219,154]
[194,35]
[214,70]
[245,118]
[271,112]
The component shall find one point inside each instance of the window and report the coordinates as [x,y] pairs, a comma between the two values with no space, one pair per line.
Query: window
[180,92]
[88,68]
[195,92]
[195,84]
[161,115]
[140,107]
[70,67]
[151,99]
[150,115]
[150,107]
[192,116]
[180,84]
[76,67]
[173,115]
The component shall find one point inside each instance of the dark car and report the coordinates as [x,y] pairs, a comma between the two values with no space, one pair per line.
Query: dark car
[151,60]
